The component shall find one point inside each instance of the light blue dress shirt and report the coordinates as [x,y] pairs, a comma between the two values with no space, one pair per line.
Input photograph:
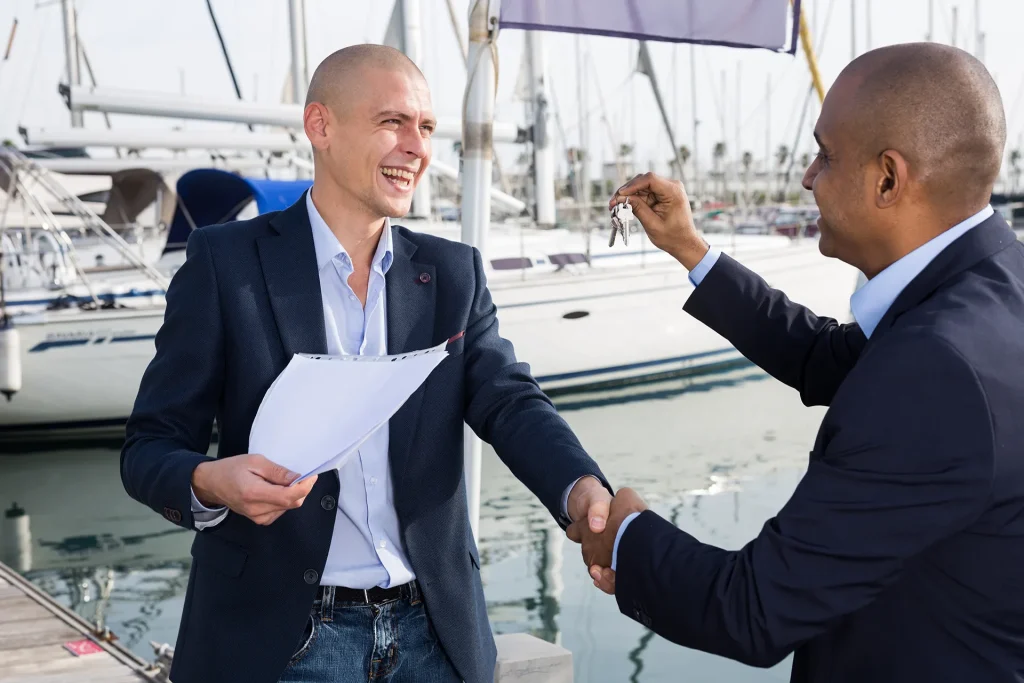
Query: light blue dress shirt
[366,549]
[869,303]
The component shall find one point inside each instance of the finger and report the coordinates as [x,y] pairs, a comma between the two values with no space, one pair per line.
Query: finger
[648,182]
[597,515]
[272,472]
[259,492]
[267,518]
[607,581]
[573,533]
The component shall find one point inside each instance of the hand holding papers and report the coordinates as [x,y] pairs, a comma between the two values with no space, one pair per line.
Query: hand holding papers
[320,409]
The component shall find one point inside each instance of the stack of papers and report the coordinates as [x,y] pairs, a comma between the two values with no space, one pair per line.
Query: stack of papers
[321,409]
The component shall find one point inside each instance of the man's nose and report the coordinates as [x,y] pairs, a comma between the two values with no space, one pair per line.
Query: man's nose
[809,175]
[416,144]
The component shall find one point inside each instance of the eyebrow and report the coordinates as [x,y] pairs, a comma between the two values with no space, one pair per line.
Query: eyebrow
[402,116]
[820,143]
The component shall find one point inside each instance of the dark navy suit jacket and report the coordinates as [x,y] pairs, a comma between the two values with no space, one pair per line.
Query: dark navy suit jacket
[900,556]
[245,300]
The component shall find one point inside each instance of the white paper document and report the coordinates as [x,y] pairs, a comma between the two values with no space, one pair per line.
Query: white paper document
[320,409]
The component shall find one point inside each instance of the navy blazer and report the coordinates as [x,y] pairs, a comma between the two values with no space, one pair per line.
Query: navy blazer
[899,556]
[245,300]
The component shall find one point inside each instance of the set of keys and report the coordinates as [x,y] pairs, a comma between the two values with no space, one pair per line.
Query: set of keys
[622,216]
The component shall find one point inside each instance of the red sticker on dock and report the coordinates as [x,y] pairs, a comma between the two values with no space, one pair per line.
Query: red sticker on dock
[83,647]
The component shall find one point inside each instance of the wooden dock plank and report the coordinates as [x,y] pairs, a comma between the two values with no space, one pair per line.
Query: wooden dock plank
[52,659]
[10,591]
[20,609]
[32,632]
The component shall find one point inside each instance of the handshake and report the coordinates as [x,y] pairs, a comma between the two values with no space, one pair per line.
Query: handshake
[598,518]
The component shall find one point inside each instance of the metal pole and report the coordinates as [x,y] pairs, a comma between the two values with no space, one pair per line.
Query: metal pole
[853,32]
[543,151]
[931,20]
[412,39]
[477,121]
[300,66]
[71,53]
[867,24]
[584,161]
[955,20]
[696,122]
[768,139]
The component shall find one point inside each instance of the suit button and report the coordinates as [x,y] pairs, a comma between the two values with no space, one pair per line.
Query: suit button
[310,576]
[328,503]
[172,514]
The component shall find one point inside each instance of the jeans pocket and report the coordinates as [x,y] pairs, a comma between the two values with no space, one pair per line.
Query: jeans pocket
[306,641]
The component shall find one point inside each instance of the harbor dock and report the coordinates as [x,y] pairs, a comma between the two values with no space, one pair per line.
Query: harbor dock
[41,641]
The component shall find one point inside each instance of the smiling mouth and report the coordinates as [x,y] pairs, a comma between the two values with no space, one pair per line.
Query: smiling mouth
[399,177]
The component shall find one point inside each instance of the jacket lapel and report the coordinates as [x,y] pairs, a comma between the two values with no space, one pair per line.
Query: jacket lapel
[288,259]
[984,240]
[411,290]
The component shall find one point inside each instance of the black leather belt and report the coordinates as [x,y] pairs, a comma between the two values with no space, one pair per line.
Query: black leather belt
[368,596]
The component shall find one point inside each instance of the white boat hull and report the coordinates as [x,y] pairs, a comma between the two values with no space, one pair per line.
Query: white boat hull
[580,329]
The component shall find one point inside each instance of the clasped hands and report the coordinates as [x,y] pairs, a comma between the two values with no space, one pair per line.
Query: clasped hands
[598,517]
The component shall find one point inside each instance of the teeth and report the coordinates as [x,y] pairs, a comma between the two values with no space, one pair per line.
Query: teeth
[398,173]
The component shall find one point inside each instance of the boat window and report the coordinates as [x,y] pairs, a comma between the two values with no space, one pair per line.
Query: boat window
[567,259]
[514,263]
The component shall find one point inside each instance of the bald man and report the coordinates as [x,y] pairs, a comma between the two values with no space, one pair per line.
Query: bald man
[370,572]
[899,556]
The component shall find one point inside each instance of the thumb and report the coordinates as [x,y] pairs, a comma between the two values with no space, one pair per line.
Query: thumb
[644,213]
[273,473]
[597,515]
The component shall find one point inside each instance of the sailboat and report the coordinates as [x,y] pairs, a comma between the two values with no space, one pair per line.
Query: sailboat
[584,315]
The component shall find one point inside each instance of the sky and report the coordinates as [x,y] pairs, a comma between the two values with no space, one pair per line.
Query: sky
[171,47]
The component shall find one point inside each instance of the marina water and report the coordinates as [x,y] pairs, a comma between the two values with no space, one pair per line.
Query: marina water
[718,455]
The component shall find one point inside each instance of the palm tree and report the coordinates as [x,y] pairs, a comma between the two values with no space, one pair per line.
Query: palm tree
[781,157]
[805,159]
[625,151]
[747,160]
[717,155]
[683,156]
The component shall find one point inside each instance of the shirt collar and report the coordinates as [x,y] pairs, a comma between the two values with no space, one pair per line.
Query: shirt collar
[328,247]
[870,303]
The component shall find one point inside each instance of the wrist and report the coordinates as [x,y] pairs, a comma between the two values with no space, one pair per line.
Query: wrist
[202,486]
[691,252]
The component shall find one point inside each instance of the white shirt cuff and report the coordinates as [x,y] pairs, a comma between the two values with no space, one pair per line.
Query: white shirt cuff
[203,516]
[618,537]
[701,269]
[565,499]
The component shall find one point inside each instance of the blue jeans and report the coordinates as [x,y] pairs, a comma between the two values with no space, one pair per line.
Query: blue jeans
[389,642]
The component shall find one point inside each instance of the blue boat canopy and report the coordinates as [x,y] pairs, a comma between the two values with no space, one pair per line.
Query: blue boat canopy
[207,196]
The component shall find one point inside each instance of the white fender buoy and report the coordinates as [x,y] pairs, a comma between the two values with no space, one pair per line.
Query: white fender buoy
[10,360]
[16,539]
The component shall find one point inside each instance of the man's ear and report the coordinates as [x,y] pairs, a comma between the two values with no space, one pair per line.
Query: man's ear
[892,178]
[314,122]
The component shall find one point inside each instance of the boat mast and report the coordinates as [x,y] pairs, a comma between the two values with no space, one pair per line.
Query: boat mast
[543,152]
[71,53]
[477,143]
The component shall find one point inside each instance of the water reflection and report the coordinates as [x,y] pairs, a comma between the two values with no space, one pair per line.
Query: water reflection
[717,458]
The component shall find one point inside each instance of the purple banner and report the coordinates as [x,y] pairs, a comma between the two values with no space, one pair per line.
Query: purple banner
[734,23]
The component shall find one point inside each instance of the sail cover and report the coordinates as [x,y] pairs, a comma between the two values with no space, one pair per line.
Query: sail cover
[733,23]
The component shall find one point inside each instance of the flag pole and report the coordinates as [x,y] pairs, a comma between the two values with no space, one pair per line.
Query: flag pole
[477,146]
[812,60]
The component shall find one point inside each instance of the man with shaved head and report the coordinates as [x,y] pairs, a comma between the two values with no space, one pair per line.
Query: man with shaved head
[369,572]
[898,557]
